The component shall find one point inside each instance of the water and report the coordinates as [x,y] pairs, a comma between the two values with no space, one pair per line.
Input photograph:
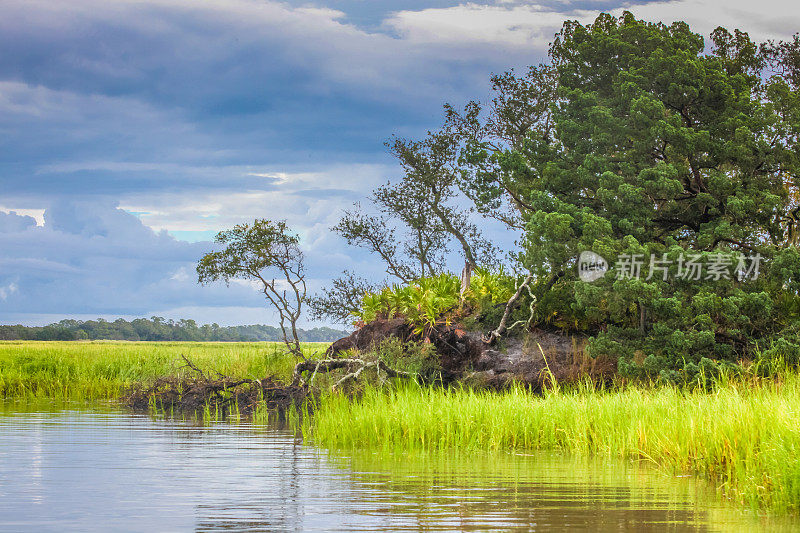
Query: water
[90,470]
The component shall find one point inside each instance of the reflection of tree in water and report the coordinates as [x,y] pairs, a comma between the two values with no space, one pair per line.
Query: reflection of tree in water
[276,504]
[299,491]
[508,491]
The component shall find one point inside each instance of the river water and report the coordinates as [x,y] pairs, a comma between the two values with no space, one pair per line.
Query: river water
[65,469]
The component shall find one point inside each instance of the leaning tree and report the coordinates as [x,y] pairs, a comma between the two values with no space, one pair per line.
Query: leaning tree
[268,253]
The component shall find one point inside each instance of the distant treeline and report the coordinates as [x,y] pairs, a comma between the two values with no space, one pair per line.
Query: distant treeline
[158,329]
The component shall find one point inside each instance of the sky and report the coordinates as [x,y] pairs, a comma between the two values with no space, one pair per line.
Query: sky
[132,131]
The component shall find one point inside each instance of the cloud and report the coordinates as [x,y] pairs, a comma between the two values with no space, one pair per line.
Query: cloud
[7,290]
[218,61]
[301,198]
[768,19]
[125,98]
[519,26]
[133,130]
[36,214]
[531,26]
[11,221]
[311,203]
[93,257]
[72,144]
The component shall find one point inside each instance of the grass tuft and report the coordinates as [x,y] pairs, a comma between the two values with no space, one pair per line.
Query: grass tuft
[745,436]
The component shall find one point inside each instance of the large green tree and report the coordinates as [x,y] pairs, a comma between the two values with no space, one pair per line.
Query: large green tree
[654,148]
[673,157]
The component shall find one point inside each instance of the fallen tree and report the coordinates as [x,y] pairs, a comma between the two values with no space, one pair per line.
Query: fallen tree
[198,390]
[353,366]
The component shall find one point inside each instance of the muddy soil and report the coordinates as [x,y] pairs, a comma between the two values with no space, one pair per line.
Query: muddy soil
[457,349]
[532,359]
[535,359]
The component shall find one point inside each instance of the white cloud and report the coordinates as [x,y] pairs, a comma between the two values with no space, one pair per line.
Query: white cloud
[35,214]
[530,26]
[766,19]
[182,274]
[303,199]
[188,41]
[7,290]
[279,177]
[247,283]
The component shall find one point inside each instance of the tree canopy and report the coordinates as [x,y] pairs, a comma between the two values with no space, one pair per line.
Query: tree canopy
[269,254]
[674,158]
[157,329]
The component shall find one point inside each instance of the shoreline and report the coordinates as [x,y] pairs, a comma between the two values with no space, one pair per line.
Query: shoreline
[741,434]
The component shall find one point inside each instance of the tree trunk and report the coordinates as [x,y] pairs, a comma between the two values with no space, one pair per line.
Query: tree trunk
[466,278]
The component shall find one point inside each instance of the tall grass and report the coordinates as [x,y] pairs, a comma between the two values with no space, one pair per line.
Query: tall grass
[745,436]
[103,369]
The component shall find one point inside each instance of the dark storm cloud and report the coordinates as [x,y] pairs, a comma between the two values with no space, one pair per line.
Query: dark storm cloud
[93,257]
[199,115]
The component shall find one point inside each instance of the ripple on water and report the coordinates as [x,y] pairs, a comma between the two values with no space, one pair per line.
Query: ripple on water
[99,469]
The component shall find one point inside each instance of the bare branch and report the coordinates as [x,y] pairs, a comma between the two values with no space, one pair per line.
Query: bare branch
[501,328]
[258,252]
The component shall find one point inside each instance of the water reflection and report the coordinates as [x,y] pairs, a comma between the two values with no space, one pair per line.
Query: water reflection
[542,491]
[71,469]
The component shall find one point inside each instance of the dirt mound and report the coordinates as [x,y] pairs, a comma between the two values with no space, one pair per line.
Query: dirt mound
[464,356]
[370,336]
[539,357]
[457,349]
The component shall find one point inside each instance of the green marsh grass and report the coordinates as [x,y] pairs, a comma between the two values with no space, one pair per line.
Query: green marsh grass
[103,369]
[744,436]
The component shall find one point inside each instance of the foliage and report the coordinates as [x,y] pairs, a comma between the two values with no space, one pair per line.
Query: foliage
[427,191]
[418,358]
[158,329]
[421,214]
[635,140]
[491,286]
[429,301]
[419,249]
[268,253]
[424,303]
[341,300]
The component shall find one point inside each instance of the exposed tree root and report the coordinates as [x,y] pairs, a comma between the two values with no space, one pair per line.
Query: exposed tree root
[354,368]
[224,394]
[221,393]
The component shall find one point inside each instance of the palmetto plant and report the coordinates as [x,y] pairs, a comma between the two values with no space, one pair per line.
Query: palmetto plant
[491,286]
[423,303]
[433,300]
